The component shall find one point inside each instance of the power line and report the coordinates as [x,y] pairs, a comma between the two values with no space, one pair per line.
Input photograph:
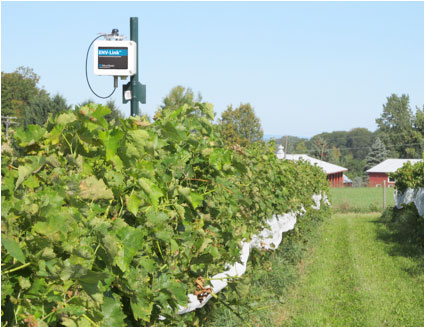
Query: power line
[390,146]
[341,137]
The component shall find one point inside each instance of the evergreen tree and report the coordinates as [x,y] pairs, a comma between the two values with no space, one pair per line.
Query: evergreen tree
[41,106]
[377,154]
[240,125]
[357,182]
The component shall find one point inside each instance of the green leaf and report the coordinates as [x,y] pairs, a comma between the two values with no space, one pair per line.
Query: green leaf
[32,182]
[111,141]
[101,112]
[133,203]
[151,190]
[54,224]
[132,240]
[142,309]
[195,199]
[154,219]
[25,170]
[220,158]
[163,235]
[12,247]
[214,251]
[136,142]
[204,244]
[172,132]
[178,291]
[192,197]
[93,189]
[93,291]
[174,245]
[209,111]
[113,315]
[92,277]
[147,264]
[30,136]
[68,322]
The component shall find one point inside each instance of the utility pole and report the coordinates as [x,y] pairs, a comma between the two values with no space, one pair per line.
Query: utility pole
[137,90]
[8,121]
[286,146]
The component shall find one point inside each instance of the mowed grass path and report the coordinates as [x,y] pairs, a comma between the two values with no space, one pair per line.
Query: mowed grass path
[356,275]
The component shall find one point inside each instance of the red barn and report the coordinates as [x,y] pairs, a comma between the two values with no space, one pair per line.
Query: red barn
[379,173]
[334,172]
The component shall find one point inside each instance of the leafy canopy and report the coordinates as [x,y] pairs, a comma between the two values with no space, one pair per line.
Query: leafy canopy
[106,225]
[400,129]
[240,125]
[22,98]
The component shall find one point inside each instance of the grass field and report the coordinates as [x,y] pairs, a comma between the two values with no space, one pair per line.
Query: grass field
[360,200]
[356,275]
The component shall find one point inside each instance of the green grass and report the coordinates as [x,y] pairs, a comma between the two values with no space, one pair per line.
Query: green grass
[353,269]
[356,275]
[360,200]
[262,288]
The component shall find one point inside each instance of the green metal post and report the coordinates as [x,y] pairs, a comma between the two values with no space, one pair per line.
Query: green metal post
[134,80]
[137,90]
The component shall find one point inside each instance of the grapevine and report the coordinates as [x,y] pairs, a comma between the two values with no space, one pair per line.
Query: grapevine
[113,225]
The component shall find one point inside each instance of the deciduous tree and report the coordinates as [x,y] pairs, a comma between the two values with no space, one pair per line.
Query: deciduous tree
[398,129]
[240,125]
[22,98]
[17,90]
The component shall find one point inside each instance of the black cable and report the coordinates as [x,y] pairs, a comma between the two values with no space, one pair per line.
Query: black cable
[87,77]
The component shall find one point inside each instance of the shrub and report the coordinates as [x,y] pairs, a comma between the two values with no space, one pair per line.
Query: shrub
[408,219]
[409,176]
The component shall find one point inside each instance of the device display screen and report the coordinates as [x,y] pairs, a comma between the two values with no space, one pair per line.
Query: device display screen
[112,57]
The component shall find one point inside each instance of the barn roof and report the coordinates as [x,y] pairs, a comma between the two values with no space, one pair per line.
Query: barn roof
[329,168]
[391,165]
[346,179]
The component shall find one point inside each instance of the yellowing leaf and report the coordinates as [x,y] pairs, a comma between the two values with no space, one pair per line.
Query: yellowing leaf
[94,189]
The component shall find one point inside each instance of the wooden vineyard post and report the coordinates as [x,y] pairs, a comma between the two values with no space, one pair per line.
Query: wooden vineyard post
[385,195]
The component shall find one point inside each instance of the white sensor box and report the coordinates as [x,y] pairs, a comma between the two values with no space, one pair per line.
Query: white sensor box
[115,58]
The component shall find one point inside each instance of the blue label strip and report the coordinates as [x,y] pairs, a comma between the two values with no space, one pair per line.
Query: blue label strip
[112,52]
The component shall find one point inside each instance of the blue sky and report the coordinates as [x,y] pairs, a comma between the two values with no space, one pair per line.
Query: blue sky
[306,67]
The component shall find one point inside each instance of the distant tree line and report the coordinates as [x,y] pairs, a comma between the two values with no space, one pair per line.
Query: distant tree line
[400,134]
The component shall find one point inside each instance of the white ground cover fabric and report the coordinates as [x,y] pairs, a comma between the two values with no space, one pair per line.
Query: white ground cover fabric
[410,195]
[268,238]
